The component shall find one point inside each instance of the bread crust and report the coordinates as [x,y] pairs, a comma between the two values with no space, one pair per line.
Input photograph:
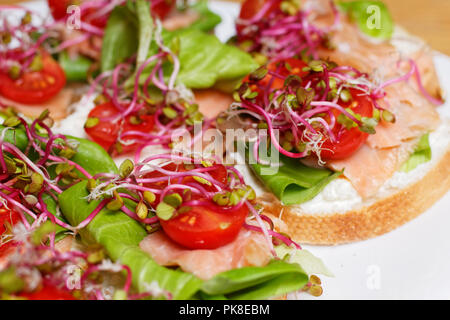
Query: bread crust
[376,219]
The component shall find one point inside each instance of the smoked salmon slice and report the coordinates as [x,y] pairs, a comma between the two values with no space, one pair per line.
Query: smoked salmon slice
[369,168]
[413,113]
[212,102]
[248,249]
[352,48]
[177,20]
[383,154]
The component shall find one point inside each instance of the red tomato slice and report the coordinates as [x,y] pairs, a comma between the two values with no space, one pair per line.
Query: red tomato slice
[201,227]
[34,87]
[7,248]
[7,215]
[48,292]
[205,227]
[348,140]
[161,8]
[106,133]
[58,8]
[290,66]
[251,7]
[284,68]
[11,217]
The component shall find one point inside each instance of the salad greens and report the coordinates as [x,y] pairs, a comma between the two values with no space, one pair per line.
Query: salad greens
[121,37]
[201,66]
[92,157]
[145,30]
[130,27]
[371,16]
[75,69]
[15,136]
[207,20]
[120,235]
[421,154]
[253,283]
[294,183]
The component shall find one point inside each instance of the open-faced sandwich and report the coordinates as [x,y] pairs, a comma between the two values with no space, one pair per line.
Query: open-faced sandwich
[353,112]
[112,193]
[78,224]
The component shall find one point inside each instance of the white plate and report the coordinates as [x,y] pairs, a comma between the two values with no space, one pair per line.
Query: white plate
[411,262]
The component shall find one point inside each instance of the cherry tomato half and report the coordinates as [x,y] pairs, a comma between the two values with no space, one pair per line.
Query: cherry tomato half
[202,227]
[7,215]
[205,227]
[161,8]
[34,87]
[58,8]
[106,132]
[348,140]
[290,66]
[283,68]
[11,217]
[251,7]
[48,292]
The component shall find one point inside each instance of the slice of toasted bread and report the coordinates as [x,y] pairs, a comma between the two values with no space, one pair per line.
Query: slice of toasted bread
[369,221]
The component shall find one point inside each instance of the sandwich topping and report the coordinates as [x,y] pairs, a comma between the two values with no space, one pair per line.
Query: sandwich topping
[318,107]
[181,225]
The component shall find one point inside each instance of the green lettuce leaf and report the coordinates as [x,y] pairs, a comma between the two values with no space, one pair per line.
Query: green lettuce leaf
[75,69]
[422,154]
[295,183]
[14,136]
[203,66]
[145,30]
[92,157]
[207,20]
[254,283]
[121,37]
[371,16]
